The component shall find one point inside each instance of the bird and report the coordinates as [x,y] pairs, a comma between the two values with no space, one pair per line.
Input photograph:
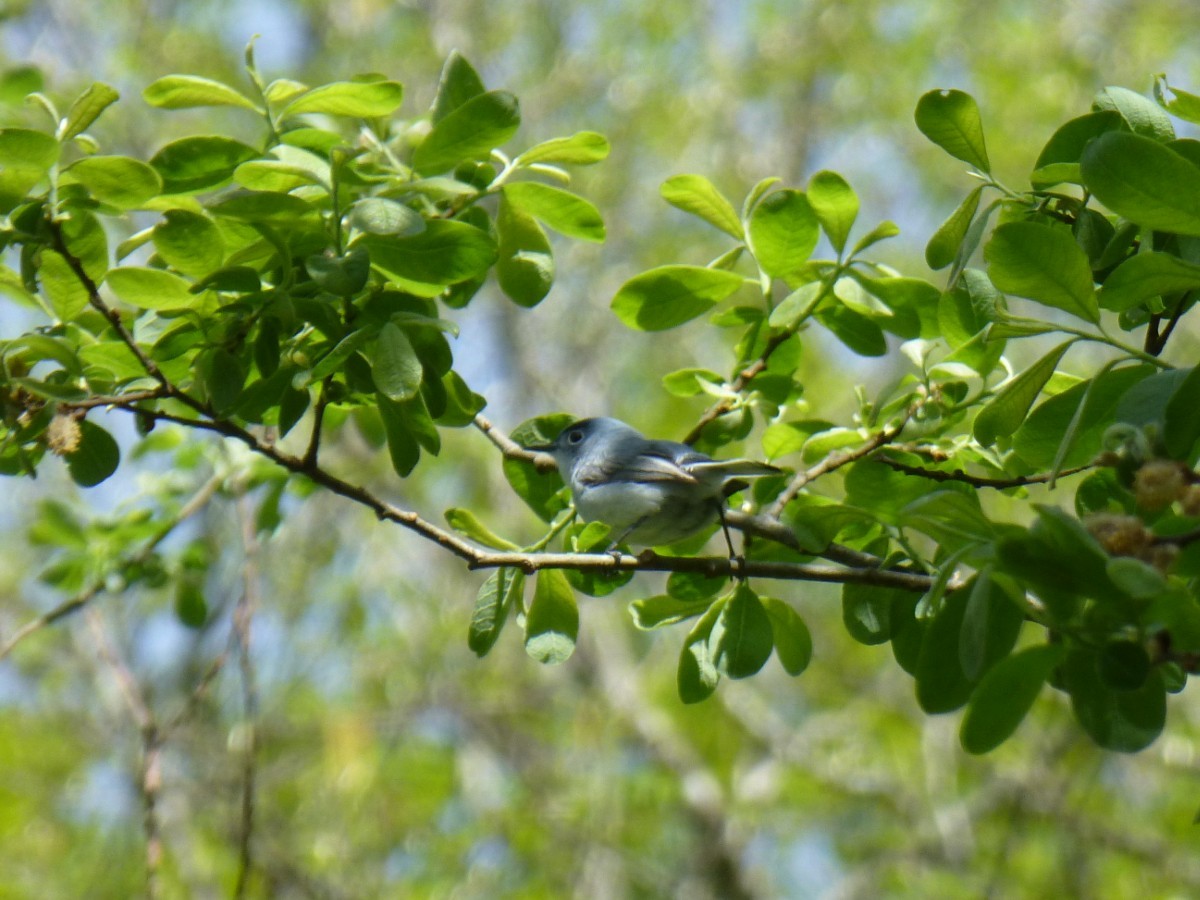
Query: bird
[649,492]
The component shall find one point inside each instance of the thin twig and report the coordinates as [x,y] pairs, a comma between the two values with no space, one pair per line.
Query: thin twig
[85,596]
[150,766]
[738,384]
[314,440]
[510,448]
[835,461]
[242,615]
[976,480]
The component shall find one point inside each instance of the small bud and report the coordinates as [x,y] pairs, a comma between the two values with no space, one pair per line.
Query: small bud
[62,435]
[1119,535]
[1158,484]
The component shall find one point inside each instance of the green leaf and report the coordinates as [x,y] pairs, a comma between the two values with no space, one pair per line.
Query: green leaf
[1005,695]
[580,149]
[1181,424]
[273,175]
[116,180]
[1141,114]
[359,99]
[86,109]
[668,296]
[343,276]
[561,210]
[539,490]
[696,676]
[742,637]
[62,287]
[943,247]
[694,585]
[1145,276]
[263,207]
[1144,181]
[1038,440]
[1124,665]
[793,642]
[444,253]
[378,215]
[951,120]
[991,623]
[1043,263]
[186,91]
[459,82]
[1065,147]
[1125,721]
[867,612]
[1183,104]
[190,606]
[1003,414]
[552,623]
[836,206]
[471,131]
[28,155]
[403,448]
[798,305]
[193,164]
[525,267]
[784,230]
[95,458]
[659,611]
[395,368]
[499,594]
[224,377]
[467,523]
[942,686]
[690,382]
[190,242]
[697,195]
[854,330]
[151,288]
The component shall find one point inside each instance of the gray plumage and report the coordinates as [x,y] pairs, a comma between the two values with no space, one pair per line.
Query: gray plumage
[649,492]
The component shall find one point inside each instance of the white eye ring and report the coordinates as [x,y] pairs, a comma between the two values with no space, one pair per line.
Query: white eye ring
[575,437]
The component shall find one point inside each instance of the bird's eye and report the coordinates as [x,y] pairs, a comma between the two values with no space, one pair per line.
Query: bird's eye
[575,437]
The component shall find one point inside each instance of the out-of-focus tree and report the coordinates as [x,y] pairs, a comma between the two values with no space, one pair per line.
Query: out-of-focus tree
[283,702]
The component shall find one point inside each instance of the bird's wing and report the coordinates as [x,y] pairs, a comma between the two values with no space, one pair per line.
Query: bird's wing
[731,468]
[654,464]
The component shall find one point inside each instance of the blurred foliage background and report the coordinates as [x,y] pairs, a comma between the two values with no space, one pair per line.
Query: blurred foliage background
[391,761]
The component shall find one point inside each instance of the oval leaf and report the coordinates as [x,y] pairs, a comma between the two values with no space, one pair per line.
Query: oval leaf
[151,288]
[668,296]
[783,233]
[695,194]
[742,637]
[116,180]
[1144,181]
[561,210]
[1145,276]
[360,99]
[793,642]
[580,149]
[1004,413]
[198,163]
[184,91]
[1004,696]
[836,206]
[1045,264]
[525,267]
[444,253]
[395,368]
[943,247]
[471,131]
[552,623]
[95,457]
[951,120]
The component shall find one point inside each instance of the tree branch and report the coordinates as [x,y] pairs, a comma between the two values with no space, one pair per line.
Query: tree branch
[976,480]
[81,599]
[836,461]
[738,384]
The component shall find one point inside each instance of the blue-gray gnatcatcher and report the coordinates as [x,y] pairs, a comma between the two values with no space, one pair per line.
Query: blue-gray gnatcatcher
[649,492]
